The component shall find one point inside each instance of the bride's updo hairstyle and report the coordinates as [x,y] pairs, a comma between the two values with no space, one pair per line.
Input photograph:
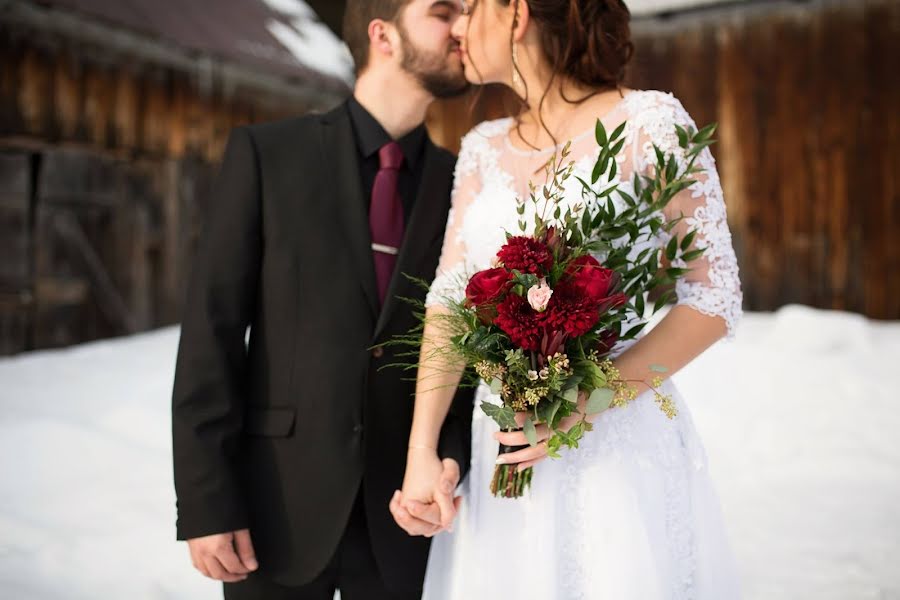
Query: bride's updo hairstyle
[587,41]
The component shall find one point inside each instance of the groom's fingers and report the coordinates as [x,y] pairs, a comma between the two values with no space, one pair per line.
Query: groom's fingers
[407,522]
[218,571]
[430,513]
[244,547]
[444,494]
[449,476]
[199,565]
[228,559]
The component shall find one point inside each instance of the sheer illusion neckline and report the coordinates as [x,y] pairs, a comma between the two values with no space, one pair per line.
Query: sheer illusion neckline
[507,140]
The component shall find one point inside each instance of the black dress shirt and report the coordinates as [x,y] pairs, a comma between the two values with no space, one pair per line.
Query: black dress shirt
[370,137]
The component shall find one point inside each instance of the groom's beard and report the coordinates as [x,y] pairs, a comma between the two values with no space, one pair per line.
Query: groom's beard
[432,70]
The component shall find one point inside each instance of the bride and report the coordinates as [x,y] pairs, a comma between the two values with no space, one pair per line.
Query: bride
[631,514]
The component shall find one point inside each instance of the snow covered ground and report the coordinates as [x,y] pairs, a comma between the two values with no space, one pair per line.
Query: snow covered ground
[799,414]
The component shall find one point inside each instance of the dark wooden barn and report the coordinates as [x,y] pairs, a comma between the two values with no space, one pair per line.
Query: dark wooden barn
[114,112]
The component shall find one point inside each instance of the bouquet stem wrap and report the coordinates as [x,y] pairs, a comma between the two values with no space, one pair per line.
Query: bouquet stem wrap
[509,481]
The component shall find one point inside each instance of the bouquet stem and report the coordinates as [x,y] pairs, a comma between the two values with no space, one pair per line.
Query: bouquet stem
[509,481]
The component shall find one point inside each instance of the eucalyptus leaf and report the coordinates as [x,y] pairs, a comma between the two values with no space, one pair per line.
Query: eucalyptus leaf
[530,432]
[496,386]
[599,400]
[551,412]
[658,369]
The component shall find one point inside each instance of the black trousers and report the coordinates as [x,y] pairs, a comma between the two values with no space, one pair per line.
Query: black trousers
[352,570]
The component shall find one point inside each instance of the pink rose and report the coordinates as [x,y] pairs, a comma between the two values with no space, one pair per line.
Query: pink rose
[539,296]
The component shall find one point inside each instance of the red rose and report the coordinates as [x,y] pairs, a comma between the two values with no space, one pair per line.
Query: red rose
[590,279]
[520,322]
[526,254]
[487,286]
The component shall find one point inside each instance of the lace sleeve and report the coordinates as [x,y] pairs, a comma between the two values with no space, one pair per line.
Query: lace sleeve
[450,278]
[712,286]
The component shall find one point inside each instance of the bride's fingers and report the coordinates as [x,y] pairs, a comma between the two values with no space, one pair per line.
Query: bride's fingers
[529,463]
[524,455]
[517,438]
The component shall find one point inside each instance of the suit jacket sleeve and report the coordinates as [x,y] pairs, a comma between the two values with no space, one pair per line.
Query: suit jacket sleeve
[211,375]
[456,435]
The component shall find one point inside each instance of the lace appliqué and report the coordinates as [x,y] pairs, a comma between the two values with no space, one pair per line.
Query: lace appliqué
[720,294]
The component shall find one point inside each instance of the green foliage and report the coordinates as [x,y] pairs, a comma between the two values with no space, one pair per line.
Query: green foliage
[609,223]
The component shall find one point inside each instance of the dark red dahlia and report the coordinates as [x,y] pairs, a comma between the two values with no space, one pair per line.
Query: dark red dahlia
[571,311]
[520,322]
[526,255]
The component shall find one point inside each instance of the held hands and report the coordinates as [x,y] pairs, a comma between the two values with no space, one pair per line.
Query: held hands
[530,456]
[426,505]
[224,556]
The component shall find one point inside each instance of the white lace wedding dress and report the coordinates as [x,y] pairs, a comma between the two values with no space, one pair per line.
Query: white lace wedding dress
[631,514]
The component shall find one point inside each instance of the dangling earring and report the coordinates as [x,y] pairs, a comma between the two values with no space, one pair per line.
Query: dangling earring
[515,61]
[516,78]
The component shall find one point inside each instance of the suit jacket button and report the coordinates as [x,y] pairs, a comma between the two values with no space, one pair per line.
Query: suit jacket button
[357,428]
[378,352]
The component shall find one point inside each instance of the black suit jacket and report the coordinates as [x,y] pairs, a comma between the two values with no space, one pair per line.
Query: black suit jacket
[276,434]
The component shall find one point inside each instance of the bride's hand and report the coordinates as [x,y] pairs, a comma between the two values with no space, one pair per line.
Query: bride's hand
[423,470]
[528,457]
[426,504]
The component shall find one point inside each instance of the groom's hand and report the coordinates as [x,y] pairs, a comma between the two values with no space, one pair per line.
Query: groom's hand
[226,557]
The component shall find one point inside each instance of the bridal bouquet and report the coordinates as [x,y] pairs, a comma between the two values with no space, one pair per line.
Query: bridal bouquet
[539,325]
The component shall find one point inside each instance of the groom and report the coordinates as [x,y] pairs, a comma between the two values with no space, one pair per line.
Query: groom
[289,445]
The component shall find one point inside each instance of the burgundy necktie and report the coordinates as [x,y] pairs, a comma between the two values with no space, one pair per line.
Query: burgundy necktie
[386,215]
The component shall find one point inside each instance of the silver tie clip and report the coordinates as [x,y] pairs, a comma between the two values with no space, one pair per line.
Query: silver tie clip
[385,249]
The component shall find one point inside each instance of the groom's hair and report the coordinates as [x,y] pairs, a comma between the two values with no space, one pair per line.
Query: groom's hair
[357,16]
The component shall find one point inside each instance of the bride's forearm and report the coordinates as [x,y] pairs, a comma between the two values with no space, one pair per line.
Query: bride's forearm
[436,382]
[681,336]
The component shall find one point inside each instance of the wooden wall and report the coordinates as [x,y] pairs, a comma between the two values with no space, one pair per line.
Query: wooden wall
[807,97]
[105,165]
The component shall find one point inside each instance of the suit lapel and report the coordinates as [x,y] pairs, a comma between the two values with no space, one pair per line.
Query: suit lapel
[339,156]
[425,223]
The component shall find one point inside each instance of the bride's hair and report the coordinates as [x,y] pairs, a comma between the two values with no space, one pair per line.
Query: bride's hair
[587,42]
